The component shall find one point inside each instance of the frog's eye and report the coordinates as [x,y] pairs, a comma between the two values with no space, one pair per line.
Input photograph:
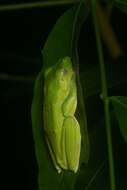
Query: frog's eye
[64,72]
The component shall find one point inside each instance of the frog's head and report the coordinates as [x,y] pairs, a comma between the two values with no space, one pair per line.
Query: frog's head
[64,71]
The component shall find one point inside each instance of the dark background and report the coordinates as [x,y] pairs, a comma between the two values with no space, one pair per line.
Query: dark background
[22,36]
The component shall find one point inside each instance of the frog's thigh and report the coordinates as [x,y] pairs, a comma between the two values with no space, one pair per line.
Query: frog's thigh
[71,142]
[53,157]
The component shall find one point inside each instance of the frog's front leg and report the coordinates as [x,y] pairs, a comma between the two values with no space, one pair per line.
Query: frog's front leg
[70,103]
[71,142]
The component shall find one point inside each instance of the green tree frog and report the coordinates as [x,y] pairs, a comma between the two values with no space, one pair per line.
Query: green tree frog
[62,130]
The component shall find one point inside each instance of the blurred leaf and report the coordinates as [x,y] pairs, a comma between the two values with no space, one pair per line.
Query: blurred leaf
[120,107]
[58,44]
[121,4]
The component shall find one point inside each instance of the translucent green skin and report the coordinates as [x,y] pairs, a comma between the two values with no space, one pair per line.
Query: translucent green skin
[62,130]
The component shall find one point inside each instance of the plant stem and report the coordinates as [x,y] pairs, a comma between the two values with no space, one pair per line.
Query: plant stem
[11,7]
[105,96]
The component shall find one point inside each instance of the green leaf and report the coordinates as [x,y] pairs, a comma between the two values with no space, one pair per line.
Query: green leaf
[59,44]
[120,108]
[121,4]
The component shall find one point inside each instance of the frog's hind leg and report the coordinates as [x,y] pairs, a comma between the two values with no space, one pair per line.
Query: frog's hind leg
[71,142]
[53,157]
